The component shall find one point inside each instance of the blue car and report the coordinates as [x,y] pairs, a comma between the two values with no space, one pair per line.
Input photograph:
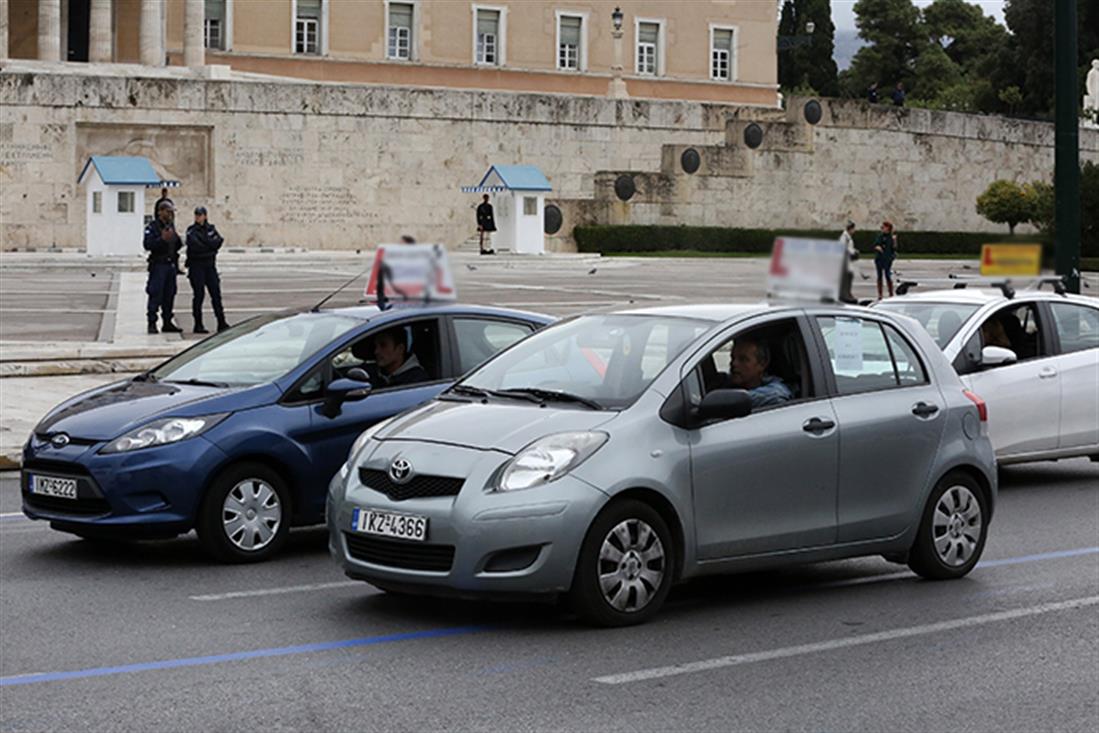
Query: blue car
[239,436]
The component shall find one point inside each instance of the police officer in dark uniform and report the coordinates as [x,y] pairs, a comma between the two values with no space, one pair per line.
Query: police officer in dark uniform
[163,245]
[203,243]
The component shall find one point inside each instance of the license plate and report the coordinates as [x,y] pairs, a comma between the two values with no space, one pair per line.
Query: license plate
[401,526]
[64,488]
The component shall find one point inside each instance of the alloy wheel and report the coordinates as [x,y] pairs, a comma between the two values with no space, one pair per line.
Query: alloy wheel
[631,565]
[956,526]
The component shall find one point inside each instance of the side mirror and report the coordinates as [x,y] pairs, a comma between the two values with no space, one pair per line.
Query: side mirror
[725,404]
[994,356]
[343,390]
[358,374]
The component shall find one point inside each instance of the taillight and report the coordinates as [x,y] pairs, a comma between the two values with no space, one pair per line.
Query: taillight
[982,408]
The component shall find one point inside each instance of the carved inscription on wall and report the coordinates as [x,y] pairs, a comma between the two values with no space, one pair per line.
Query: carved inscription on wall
[268,157]
[319,204]
[11,153]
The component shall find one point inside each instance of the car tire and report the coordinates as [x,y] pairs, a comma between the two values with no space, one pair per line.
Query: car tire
[245,516]
[626,566]
[952,531]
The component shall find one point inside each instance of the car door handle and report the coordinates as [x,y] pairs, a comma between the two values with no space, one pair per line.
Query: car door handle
[816,425]
[1047,373]
[924,409]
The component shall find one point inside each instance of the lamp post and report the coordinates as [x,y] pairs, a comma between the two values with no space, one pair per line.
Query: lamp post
[617,88]
[1066,155]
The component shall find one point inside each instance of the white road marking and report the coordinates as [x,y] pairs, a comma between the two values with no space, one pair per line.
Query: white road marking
[276,591]
[6,515]
[833,644]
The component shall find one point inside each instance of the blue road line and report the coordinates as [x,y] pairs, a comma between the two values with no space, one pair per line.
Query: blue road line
[15,518]
[324,646]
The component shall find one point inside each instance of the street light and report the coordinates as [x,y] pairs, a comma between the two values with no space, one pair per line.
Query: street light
[617,89]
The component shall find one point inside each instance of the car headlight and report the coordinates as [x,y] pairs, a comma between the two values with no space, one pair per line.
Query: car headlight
[548,459]
[163,432]
[359,444]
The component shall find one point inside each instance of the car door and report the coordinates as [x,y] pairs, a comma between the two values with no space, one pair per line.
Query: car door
[1024,397]
[765,482]
[1076,330]
[890,418]
[328,438]
[477,338]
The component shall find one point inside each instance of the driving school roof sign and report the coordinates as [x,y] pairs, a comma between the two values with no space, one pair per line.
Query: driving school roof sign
[1003,260]
[806,269]
[410,274]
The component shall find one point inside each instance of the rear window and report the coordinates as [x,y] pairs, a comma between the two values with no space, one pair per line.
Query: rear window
[941,320]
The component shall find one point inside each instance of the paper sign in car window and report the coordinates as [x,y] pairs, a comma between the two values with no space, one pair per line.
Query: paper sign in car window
[848,345]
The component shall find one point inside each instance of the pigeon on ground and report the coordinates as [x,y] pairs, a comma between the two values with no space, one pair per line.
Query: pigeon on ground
[471,267]
[593,270]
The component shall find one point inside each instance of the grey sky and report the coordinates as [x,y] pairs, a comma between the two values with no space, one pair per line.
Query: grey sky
[843,11]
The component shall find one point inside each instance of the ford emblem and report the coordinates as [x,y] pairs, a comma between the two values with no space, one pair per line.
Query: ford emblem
[60,440]
[400,471]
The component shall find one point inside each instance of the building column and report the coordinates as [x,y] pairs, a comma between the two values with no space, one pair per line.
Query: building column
[99,32]
[49,30]
[3,29]
[194,46]
[152,33]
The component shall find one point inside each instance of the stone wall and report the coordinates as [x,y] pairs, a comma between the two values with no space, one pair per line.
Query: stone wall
[342,166]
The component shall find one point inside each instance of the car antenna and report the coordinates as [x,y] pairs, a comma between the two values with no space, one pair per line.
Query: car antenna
[338,290]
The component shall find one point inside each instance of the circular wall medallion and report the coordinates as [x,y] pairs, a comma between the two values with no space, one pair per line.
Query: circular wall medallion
[553,219]
[624,187]
[813,112]
[690,160]
[753,135]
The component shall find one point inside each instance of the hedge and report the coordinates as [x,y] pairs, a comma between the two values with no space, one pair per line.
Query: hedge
[722,239]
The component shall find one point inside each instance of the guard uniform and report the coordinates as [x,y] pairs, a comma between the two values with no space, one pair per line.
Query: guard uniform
[203,243]
[163,267]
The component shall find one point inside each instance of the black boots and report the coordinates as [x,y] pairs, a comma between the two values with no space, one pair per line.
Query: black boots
[170,327]
[199,328]
[223,325]
[152,327]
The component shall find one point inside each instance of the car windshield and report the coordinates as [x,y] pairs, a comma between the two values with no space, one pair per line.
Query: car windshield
[941,320]
[606,361]
[259,350]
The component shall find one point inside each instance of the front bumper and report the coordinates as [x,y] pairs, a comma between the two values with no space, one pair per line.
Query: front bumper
[480,542]
[147,492]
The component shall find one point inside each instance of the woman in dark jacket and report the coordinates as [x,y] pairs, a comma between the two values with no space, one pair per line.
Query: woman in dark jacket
[885,251]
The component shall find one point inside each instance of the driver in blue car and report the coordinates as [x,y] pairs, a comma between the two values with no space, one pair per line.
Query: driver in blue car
[397,365]
[749,372]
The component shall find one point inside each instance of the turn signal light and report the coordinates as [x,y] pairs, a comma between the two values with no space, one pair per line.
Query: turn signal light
[982,408]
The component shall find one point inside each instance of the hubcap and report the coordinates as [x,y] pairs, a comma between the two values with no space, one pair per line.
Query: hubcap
[251,514]
[956,528]
[631,565]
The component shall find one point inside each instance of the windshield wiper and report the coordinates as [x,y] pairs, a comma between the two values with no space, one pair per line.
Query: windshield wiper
[468,390]
[551,394]
[198,382]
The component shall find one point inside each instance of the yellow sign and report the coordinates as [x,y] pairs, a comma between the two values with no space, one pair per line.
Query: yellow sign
[1022,260]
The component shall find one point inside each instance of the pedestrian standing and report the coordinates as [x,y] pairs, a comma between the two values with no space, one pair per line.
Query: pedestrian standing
[872,93]
[203,243]
[163,245]
[486,222]
[163,198]
[898,95]
[847,239]
[885,251]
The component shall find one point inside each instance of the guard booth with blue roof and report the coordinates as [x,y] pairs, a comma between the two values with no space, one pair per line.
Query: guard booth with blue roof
[115,187]
[518,198]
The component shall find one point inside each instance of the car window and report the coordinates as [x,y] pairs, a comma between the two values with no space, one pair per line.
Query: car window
[1077,326]
[909,367]
[770,363]
[859,354]
[1015,327]
[480,338]
[941,320]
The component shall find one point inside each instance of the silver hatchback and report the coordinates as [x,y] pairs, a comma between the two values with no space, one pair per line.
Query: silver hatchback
[610,456]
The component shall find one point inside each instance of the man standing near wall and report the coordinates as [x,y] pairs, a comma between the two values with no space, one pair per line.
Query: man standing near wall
[203,243]
[163,245]
[486,222]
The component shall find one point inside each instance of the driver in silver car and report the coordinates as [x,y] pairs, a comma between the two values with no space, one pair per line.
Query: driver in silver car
[749,372]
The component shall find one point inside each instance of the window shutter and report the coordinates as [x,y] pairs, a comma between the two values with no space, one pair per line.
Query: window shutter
[570,30]
[309,9]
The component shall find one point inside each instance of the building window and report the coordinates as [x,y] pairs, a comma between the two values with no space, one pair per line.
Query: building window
[307,27]
[125,202]
[489,37]
[569,32]
[215,25]
[530,206]
[399,45]
[721,53]
[648,46]
[97,202]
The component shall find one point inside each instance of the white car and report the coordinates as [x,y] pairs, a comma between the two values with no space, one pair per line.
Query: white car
[1033,357]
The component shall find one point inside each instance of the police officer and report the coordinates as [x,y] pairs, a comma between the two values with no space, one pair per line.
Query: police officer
[203,243]
[163,245]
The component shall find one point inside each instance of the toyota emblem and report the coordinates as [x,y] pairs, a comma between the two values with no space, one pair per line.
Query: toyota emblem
[60,440]
[400,471]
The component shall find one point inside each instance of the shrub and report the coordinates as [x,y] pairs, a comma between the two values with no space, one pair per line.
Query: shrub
[1005,202]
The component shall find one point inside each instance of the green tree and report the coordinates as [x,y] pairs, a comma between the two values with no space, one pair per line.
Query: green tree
[1005,202]
[935,73]
[894,38]
[1041,195]
[811,64]
[963,31]
[1041,198]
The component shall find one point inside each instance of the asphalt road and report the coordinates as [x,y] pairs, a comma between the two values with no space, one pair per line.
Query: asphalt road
[152,637]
